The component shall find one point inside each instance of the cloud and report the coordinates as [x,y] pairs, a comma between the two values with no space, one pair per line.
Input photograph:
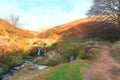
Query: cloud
[39,14]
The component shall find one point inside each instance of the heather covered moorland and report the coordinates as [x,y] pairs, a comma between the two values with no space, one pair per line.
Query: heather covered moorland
[78,49]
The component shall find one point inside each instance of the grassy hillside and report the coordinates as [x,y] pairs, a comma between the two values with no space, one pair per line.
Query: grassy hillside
[8,30]
[84,28]
[68,29]
[13,38]
[74,28]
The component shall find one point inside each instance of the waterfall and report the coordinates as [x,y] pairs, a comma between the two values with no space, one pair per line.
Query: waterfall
[72,58]
[38,52]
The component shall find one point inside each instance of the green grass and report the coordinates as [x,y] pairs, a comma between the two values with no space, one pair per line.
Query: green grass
[70,71]
[70,46]
[66,71]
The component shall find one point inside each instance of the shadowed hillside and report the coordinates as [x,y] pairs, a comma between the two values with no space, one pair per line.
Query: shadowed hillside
[82,27]
[70,29]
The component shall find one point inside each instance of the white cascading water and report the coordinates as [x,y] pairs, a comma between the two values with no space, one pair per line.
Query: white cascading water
[72,58]
[38,52]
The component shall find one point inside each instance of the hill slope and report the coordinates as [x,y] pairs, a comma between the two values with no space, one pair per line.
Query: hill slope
[79,28]
[74,28]
[13,38]
[8,30]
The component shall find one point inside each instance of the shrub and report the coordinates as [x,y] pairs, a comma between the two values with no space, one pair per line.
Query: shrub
[4,68]
[14,60]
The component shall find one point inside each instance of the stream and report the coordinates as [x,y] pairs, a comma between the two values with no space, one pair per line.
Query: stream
[11,71]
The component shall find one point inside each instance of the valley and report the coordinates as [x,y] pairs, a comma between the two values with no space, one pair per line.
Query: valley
[85,49]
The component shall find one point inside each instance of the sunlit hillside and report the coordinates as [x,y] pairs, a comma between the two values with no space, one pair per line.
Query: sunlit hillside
[8,30]
[12,38]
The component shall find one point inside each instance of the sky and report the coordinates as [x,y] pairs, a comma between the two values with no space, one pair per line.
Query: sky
[38,15]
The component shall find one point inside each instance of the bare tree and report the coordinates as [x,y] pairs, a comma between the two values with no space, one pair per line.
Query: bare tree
[13,19]
[111,8]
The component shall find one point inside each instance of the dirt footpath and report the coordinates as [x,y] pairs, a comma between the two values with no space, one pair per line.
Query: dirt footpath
[105,67]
